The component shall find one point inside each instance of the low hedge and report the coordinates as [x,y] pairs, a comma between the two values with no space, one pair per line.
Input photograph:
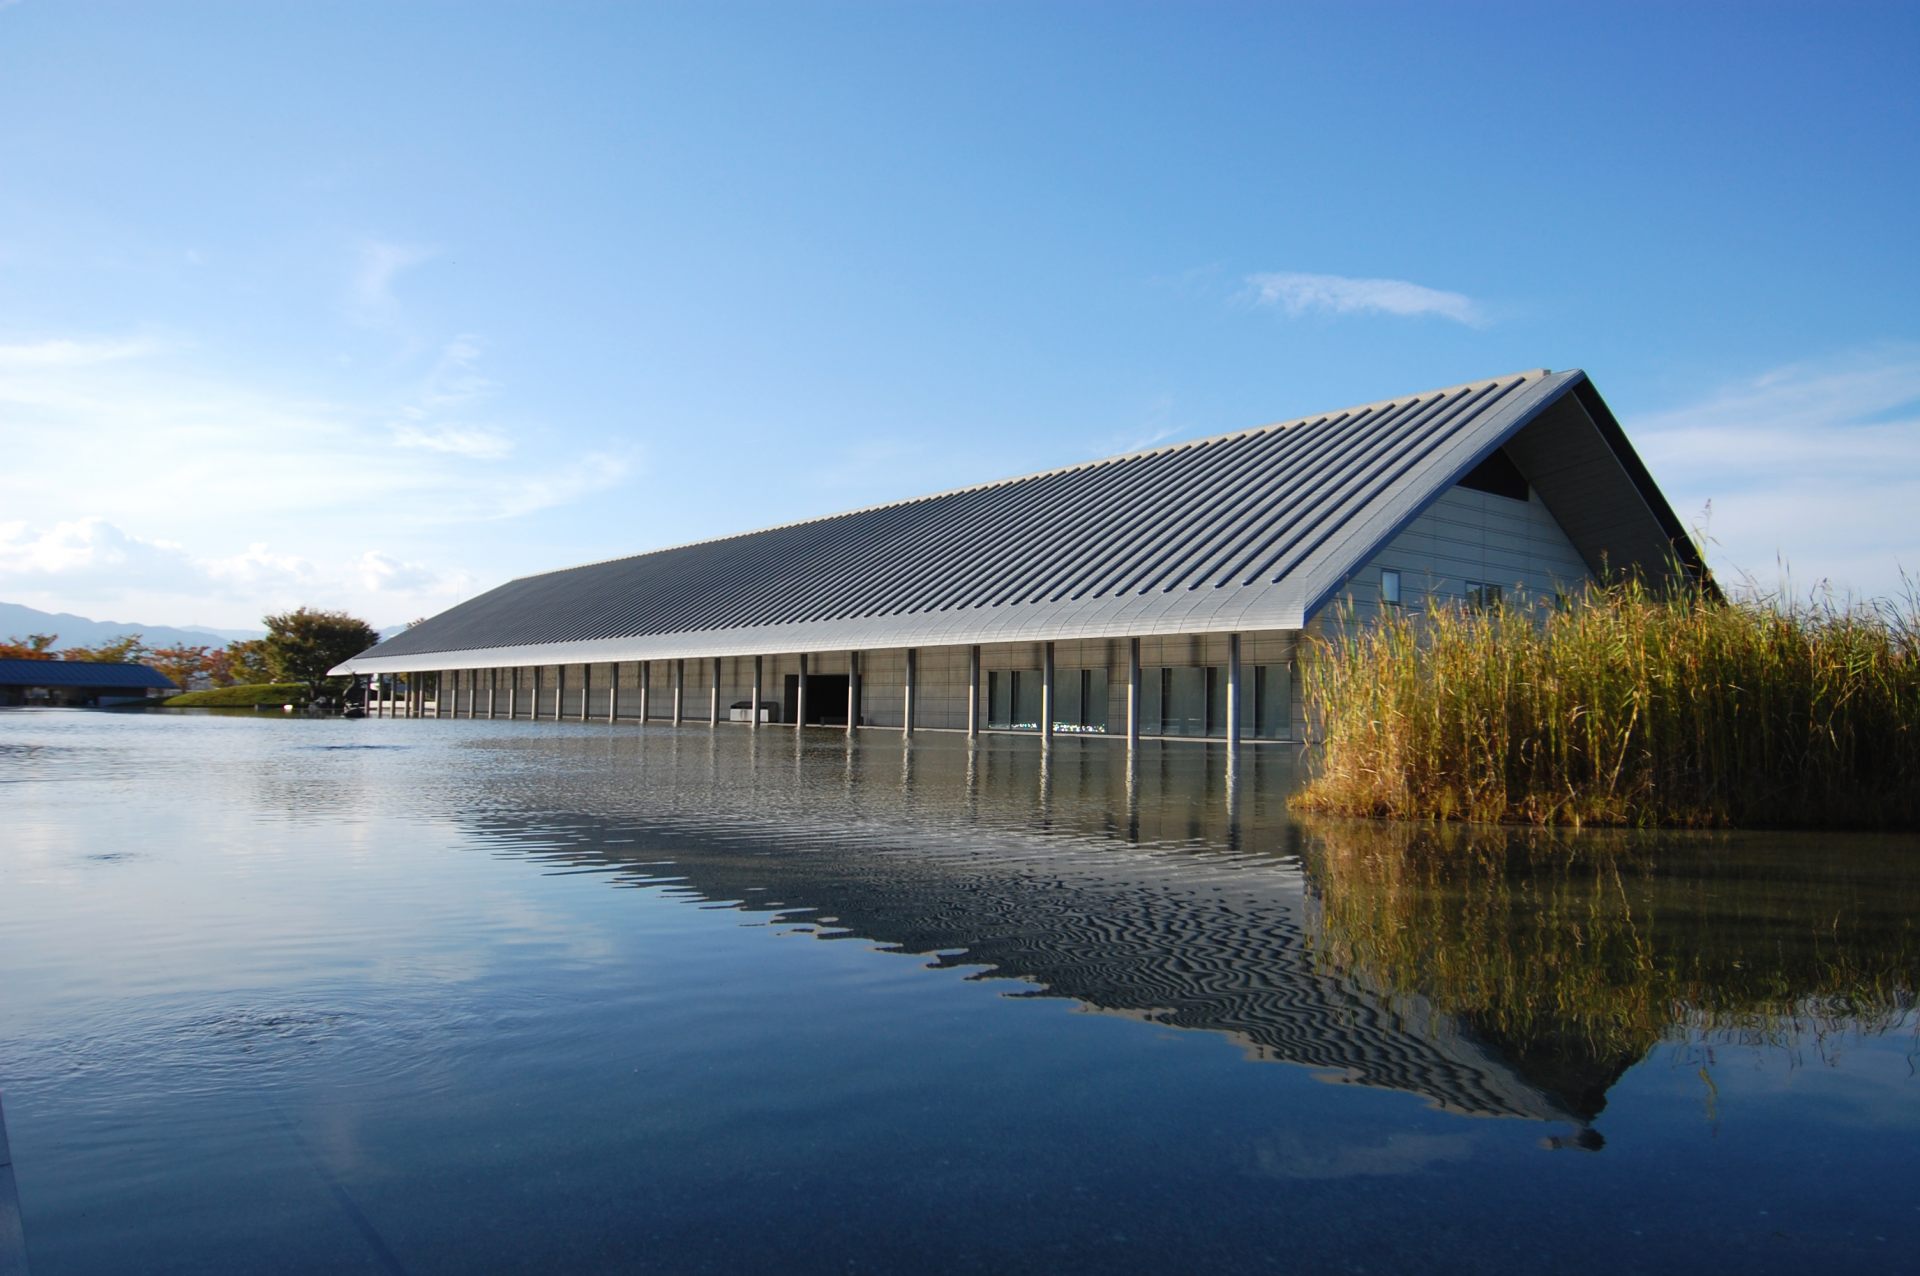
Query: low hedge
[267,693]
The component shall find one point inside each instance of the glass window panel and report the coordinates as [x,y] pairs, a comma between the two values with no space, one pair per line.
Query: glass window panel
[1272,702]
[1216,700]
[999,699]
[1150,701]
[1026,699]
[1082,703]
[1094,698]
[1186,701]
[1390,587]
[1066,697]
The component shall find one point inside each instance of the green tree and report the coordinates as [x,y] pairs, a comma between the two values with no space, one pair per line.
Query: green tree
[243,663]
[32,647]
[302,645]
[130,649]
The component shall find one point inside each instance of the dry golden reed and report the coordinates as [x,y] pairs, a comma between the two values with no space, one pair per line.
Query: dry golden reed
[1625,708]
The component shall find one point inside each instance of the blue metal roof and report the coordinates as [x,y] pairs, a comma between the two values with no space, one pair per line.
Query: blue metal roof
[81,673]
[1253,530]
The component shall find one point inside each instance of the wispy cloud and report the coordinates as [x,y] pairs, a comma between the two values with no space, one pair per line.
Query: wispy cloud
[474,442]
[208,467]
[453,385]
[69,353]
[1815,464]
[88,557]
[1299,294]
[377,266]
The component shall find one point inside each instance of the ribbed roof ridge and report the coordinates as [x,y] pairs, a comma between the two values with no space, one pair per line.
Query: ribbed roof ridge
[1241,530]
[1095,463]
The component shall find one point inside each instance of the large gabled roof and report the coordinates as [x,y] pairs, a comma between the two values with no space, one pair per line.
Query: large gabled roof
[1252,530]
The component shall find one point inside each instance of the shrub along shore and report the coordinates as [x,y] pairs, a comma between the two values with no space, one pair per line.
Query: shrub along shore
[1624,708]
[262,693]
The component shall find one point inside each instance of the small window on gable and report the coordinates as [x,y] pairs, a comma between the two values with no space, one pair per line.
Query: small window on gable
[1389,587]
[1497,475]
[1482,596]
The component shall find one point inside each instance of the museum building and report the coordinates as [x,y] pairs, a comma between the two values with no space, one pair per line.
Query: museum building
[1162,593]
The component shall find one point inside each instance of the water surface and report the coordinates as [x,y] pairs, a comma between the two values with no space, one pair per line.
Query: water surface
[463,996]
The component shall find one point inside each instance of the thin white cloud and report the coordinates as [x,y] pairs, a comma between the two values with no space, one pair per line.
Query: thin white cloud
[1813,467]
[70,354]
[1300,294]
[453,384]
[477,443]
[377,266]
[91,561]
[204,468]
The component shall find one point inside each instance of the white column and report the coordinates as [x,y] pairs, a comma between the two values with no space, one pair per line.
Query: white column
[753,713]
[713,701]
[906,699]
[1233,691]
[800,695]
[1133,692]
[973,691]
[646,689]
[1046,692]
[853,692]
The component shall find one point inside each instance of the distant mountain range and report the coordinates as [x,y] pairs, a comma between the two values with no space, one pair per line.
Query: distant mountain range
[17,621]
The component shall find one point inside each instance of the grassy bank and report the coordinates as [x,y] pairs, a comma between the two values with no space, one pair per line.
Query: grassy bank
[1624,709]
[267,693]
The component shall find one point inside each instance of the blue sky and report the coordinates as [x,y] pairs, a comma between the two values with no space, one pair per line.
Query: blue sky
[376,306]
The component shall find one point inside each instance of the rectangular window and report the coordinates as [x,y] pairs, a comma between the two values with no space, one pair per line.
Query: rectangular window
[1482,596]
[1272,702]
[1151,700]
[1013,699]
[1081,701]
[1389,587]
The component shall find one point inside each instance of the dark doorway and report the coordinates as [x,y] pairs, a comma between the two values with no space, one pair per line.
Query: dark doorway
[826,699]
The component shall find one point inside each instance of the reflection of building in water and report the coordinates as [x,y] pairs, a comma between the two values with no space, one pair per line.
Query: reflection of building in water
[1141,893]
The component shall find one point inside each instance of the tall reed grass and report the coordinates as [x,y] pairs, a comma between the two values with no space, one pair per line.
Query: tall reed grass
[1624,708]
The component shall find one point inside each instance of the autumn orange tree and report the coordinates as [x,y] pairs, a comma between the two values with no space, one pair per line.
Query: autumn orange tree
[129,649]
[179,664]
[32,647]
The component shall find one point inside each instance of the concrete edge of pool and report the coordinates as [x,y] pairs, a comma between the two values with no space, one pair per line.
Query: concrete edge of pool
[13,1239]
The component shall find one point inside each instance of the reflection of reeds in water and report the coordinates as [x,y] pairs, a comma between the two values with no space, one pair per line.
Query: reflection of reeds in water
[1575,954]
[1628,708]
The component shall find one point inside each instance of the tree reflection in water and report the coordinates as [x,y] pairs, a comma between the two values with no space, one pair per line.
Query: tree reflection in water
[1573,955]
